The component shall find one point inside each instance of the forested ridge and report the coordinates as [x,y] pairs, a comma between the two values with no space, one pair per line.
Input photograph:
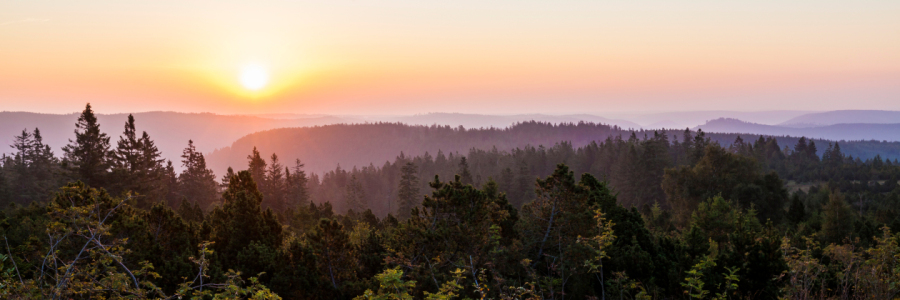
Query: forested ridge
[331,145]
[631,215]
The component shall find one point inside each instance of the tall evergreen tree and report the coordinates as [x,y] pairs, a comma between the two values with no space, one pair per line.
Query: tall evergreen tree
[196,182]
[837,222]
[257,167]
[465,177]
[21,165]
[524,186]
[44,163]
[227,177]
[171,189]
[355,196]
[275,188]
[88,157]
[298,186]
[408,192]
[139,165]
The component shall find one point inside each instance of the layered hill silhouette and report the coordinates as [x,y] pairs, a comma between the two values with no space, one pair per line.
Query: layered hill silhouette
[373,141]
[501,121]
[844,117]
[836,132]
[324,148]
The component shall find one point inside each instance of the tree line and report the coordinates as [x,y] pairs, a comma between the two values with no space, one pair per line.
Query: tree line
[625,218]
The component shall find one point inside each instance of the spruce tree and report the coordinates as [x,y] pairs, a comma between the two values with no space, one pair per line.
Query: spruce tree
[298,186]
[127,152]
[797,211]
[524,190]
[837,222]
[227,177]
[33,168]
[465,177]
[408,192]
[21,165]
[257,167]
[139,165]
[88,157]
[170,184]
[44,165]
[355,197]
[196,182]
[275,188]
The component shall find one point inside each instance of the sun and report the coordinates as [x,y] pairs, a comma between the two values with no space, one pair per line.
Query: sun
[254,77]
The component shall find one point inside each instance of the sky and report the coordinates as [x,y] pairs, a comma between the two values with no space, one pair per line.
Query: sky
[407,57]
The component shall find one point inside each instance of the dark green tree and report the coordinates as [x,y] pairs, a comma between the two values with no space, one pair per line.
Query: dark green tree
[139,166]
[88,158]
[298,186]
[240,224]
[354,196]
[408,191]
[257,167]
[196,182]
[464,175]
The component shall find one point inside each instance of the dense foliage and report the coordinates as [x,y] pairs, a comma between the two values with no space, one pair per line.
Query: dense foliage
[625,218]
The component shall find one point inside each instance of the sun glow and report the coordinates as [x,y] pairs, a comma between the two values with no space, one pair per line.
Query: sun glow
[254,77]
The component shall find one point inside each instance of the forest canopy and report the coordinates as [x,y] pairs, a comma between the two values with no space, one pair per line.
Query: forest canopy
[631,215]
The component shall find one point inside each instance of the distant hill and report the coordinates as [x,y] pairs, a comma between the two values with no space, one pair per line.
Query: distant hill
[170,130]
[666,124]
[323,148]
[844,117]
[499,121]
[848,132]
[685,119]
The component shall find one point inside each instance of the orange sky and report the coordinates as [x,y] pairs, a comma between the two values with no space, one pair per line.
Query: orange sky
[403,57]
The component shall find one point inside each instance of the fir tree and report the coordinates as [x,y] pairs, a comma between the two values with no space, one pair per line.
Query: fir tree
[88,157]
[275,187]
[465,177]
[408,192]
[797,212]
[196,182]
[257,167]
[837,223]
[355,197]
[139,165]
[298,186]
[227,177]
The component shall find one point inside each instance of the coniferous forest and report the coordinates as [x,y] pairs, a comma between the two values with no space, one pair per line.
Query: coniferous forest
[637,215]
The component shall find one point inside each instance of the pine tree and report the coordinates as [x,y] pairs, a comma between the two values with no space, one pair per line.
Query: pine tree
[506,180]
[465,177]
[298,186]
[88,157]
[837,222]
[524,186]
[355,197]
[33,169]
[408,192]
[139,165]
[127,152]
[170,184]
[21,165]
[227,177]
[274,189]
[257,167]
[196,182]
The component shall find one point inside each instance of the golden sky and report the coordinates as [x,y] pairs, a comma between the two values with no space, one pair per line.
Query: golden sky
[403,57]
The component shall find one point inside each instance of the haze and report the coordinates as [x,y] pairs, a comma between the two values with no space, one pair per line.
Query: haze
[405,57]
